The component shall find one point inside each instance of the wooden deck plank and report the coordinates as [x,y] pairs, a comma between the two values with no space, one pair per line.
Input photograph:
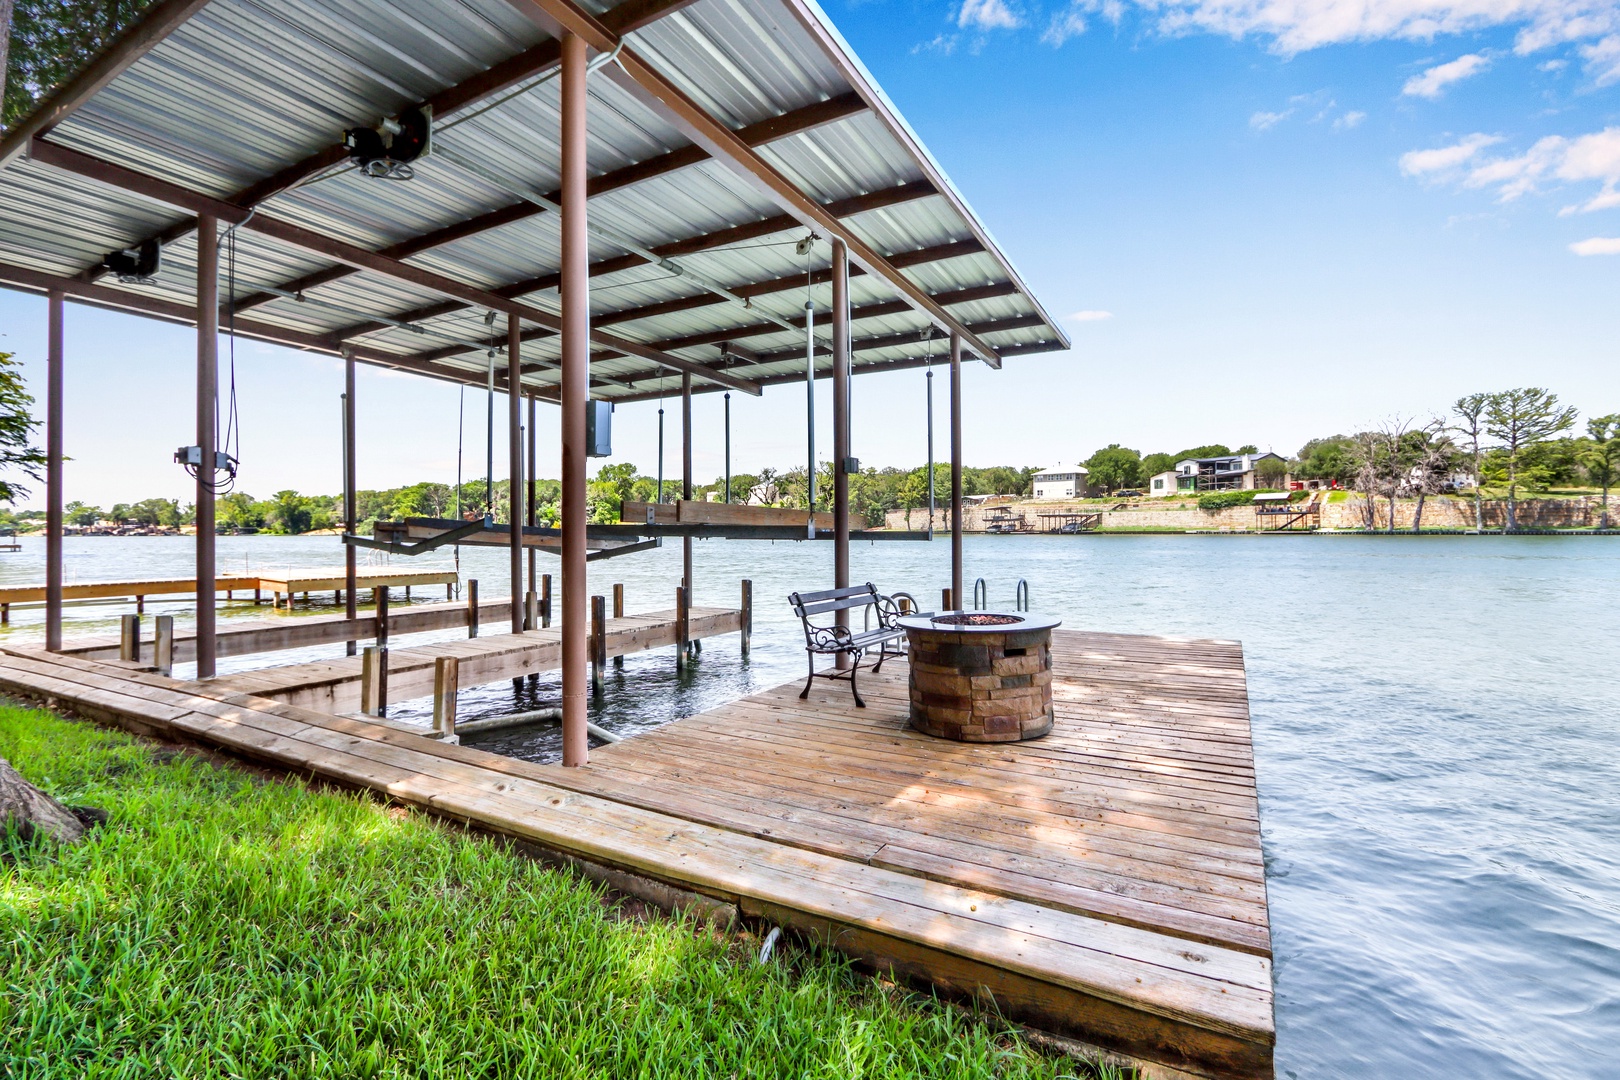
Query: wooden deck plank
[1105,881]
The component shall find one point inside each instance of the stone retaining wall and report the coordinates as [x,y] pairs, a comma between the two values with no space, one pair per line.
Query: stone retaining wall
[1438,513]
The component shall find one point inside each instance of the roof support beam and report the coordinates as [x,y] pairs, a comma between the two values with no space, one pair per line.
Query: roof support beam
[717,337]
[340,251]
[165,17]
[766,131]
[652,88]
[858,204]
[140,38]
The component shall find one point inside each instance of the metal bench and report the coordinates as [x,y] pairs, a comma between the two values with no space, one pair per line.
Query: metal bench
[840,640]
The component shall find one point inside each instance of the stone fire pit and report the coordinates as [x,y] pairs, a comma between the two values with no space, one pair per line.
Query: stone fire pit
[981,676]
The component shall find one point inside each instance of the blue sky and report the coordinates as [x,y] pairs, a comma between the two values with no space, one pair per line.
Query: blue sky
[1261,221]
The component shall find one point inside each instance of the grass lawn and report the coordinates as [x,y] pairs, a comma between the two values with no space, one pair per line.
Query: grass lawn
[226,924]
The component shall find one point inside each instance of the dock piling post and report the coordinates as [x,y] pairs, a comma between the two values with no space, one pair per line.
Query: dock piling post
[129,638]
[682,605]
[382,619]
[472,607]
[531,610]
[545,600]
[446,682]
[598,642]
[373,680]
[163,644]
[945,600]
[747,616]
[618,613]
[140,605]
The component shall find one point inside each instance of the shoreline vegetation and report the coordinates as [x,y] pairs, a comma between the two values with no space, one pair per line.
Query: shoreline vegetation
[227,920]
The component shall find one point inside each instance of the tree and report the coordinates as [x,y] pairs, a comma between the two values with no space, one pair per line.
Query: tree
[50,42]
[1212,450]
[81,514]
[17,426]
[1519,419]
[1331,460]
[288,513]
[1602,456]
[1470,411]
[1114,467]
[1154,464]
[1271,471]
[1433,457]
[913,492]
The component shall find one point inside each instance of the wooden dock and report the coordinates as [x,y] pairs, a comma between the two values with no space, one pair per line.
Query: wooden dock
[278,584]
[1105,882]
[334,685]
[244,637]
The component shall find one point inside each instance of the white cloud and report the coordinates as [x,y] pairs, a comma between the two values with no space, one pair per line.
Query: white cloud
[1598,245]
[1091,316]
[1553,66]
[1555,158]
[1431,83]
[1265,121]
[1445,158]
[1349,120]
[944,44]
[1603,60]
[987,15]
[1065,25]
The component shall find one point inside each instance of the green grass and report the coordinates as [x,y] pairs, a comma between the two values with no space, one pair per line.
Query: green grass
[225,924]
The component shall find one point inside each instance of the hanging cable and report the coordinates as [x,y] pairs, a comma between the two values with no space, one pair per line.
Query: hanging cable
[660,439]
[928,366]
[461,424]
[805,248]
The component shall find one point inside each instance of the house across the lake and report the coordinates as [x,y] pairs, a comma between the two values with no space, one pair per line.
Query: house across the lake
[1232,472]
[1062,482]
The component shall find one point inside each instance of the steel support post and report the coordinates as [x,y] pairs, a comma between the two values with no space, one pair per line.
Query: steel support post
[576,374]
[351,601]
[207,393]
[956,469]
[686,487]
[53,474]
[514,483]
[529,511]
[840,390]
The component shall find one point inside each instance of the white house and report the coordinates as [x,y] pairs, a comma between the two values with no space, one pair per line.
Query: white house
[1163,484]
[1061,482]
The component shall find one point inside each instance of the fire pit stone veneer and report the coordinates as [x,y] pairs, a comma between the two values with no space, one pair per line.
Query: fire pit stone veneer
[979,676]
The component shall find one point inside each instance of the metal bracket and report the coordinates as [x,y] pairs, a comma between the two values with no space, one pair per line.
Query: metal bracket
[394,547]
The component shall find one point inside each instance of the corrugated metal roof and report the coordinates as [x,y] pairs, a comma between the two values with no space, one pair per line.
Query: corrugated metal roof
[247,88]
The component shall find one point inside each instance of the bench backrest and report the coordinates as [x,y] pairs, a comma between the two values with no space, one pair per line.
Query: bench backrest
[807,605]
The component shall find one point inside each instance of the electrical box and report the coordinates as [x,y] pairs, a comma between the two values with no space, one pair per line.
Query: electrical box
[599,429]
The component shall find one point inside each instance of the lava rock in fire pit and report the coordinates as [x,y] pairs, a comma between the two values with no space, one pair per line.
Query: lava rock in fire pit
[981,676]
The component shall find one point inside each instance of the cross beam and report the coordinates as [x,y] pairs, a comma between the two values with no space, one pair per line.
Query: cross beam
[653,89]
[195,202]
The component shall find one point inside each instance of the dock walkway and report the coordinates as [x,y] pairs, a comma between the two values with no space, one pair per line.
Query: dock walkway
[1104,882]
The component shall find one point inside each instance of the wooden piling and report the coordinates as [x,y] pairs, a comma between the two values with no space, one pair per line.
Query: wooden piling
[129,639]
[618,613]
[945,600]
[163,644]
[545,600]
[371,663]
[531,610]
[472,607]
[446,683]
[747,616]
[598,642]
[682,626]
[382,618]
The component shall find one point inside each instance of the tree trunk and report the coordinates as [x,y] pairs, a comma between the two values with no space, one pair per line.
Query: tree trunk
[1417,513]
[1603,518]
[6,7]
[1479,516]
[30,812]
[1513,493]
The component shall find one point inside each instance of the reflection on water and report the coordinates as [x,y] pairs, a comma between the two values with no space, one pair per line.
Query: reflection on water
[1435,723]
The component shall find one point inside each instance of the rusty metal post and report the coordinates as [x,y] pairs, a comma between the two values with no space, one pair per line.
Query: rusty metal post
[686,486]
[529,517]
[514,483]
[956,467]
[576,375]
[747,616]
[618,613]
[382,652]
[351,599]
[53,472]
[682,642]
[598,642]
[207,393]
[472,607]
[545,601]
[840,391]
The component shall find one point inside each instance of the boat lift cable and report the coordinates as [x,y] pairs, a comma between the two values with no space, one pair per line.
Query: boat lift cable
[805,247]
[461,426]
[928,369]
[489,431]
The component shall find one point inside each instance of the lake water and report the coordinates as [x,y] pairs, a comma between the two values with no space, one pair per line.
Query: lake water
[1435,724]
